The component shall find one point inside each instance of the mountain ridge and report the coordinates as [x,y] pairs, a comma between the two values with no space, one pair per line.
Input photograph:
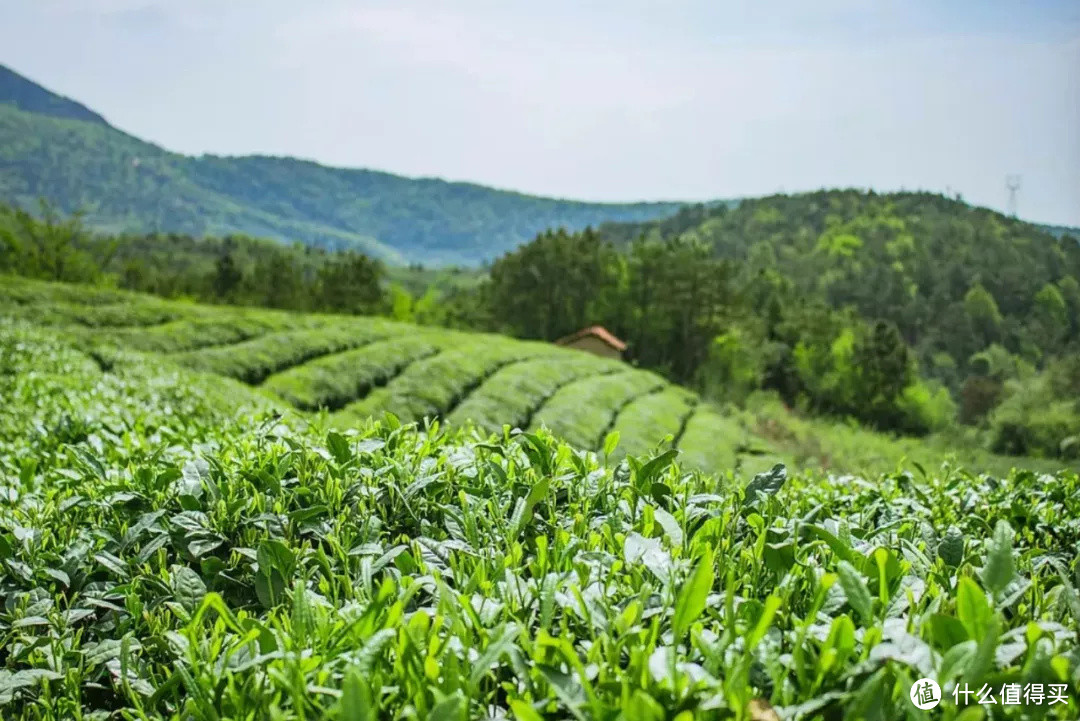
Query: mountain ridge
[54,148]
[28,95]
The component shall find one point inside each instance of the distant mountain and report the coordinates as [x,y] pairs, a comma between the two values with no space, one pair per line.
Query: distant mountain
[1060,231]
[54,148]
[27,95]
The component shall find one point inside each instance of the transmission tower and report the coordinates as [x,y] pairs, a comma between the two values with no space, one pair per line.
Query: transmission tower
[1012,184]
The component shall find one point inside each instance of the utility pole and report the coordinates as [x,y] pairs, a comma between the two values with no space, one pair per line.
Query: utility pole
[1012,184]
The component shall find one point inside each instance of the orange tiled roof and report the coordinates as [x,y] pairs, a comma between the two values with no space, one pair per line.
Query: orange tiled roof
[598,331]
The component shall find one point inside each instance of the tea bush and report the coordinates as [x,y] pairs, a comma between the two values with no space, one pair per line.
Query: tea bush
[174,549]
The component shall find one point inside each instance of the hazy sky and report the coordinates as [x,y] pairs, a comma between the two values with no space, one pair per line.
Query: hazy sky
[622,100]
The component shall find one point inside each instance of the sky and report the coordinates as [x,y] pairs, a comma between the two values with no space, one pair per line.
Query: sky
[603,100]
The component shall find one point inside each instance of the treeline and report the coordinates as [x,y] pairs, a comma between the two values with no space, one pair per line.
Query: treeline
[233,269]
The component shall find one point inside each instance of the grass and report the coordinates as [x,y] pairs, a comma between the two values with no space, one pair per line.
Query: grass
[174,548]
[845,447]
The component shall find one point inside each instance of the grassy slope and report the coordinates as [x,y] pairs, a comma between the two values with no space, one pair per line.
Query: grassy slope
[362,367]
[171,551]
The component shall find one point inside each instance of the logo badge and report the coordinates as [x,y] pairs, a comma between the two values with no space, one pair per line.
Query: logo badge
[925,693]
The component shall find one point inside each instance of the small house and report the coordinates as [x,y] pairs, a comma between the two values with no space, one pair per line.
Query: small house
[596,340]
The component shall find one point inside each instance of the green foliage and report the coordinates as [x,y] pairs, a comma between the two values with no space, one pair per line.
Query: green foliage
[437,384]
[711,440]
[1051,304]
[950,277]
[555,284]
[46,248]
[727,328]
[585,410]
[653,416]
[350,366]
[172,550]
[925,407]
[350,283]
[1040,415]
[253,361]
[981,307]
[334,381]
[512,393]
[735,366]
[665,298]
[767,432]
[233,269]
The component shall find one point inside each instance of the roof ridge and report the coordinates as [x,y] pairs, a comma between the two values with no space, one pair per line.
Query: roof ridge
[596,330]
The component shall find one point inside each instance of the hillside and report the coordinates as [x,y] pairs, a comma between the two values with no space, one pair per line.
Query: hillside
[173,546]
[54,148]
[979,297]
[353,368]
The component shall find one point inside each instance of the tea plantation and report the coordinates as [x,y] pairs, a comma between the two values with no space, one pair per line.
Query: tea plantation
[357,368]
[177,543]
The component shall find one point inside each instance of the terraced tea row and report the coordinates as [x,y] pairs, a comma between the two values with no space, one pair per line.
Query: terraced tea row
[194,334]
[584,411]
[335,381]
[435,386]
[512,395]
[652,416]
[253,361]
[359,368]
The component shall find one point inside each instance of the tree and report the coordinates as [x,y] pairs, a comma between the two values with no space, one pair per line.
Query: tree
[227,277]
[1051,317]
[982,308]
[556,284]
[278,283]
[1070,293]
[351,282]
[884,366]
[49,246]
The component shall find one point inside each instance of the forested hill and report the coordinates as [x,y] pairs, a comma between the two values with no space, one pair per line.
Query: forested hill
[54,148]
[952,277]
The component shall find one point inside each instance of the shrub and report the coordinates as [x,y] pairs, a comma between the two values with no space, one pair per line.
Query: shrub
[925,407]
